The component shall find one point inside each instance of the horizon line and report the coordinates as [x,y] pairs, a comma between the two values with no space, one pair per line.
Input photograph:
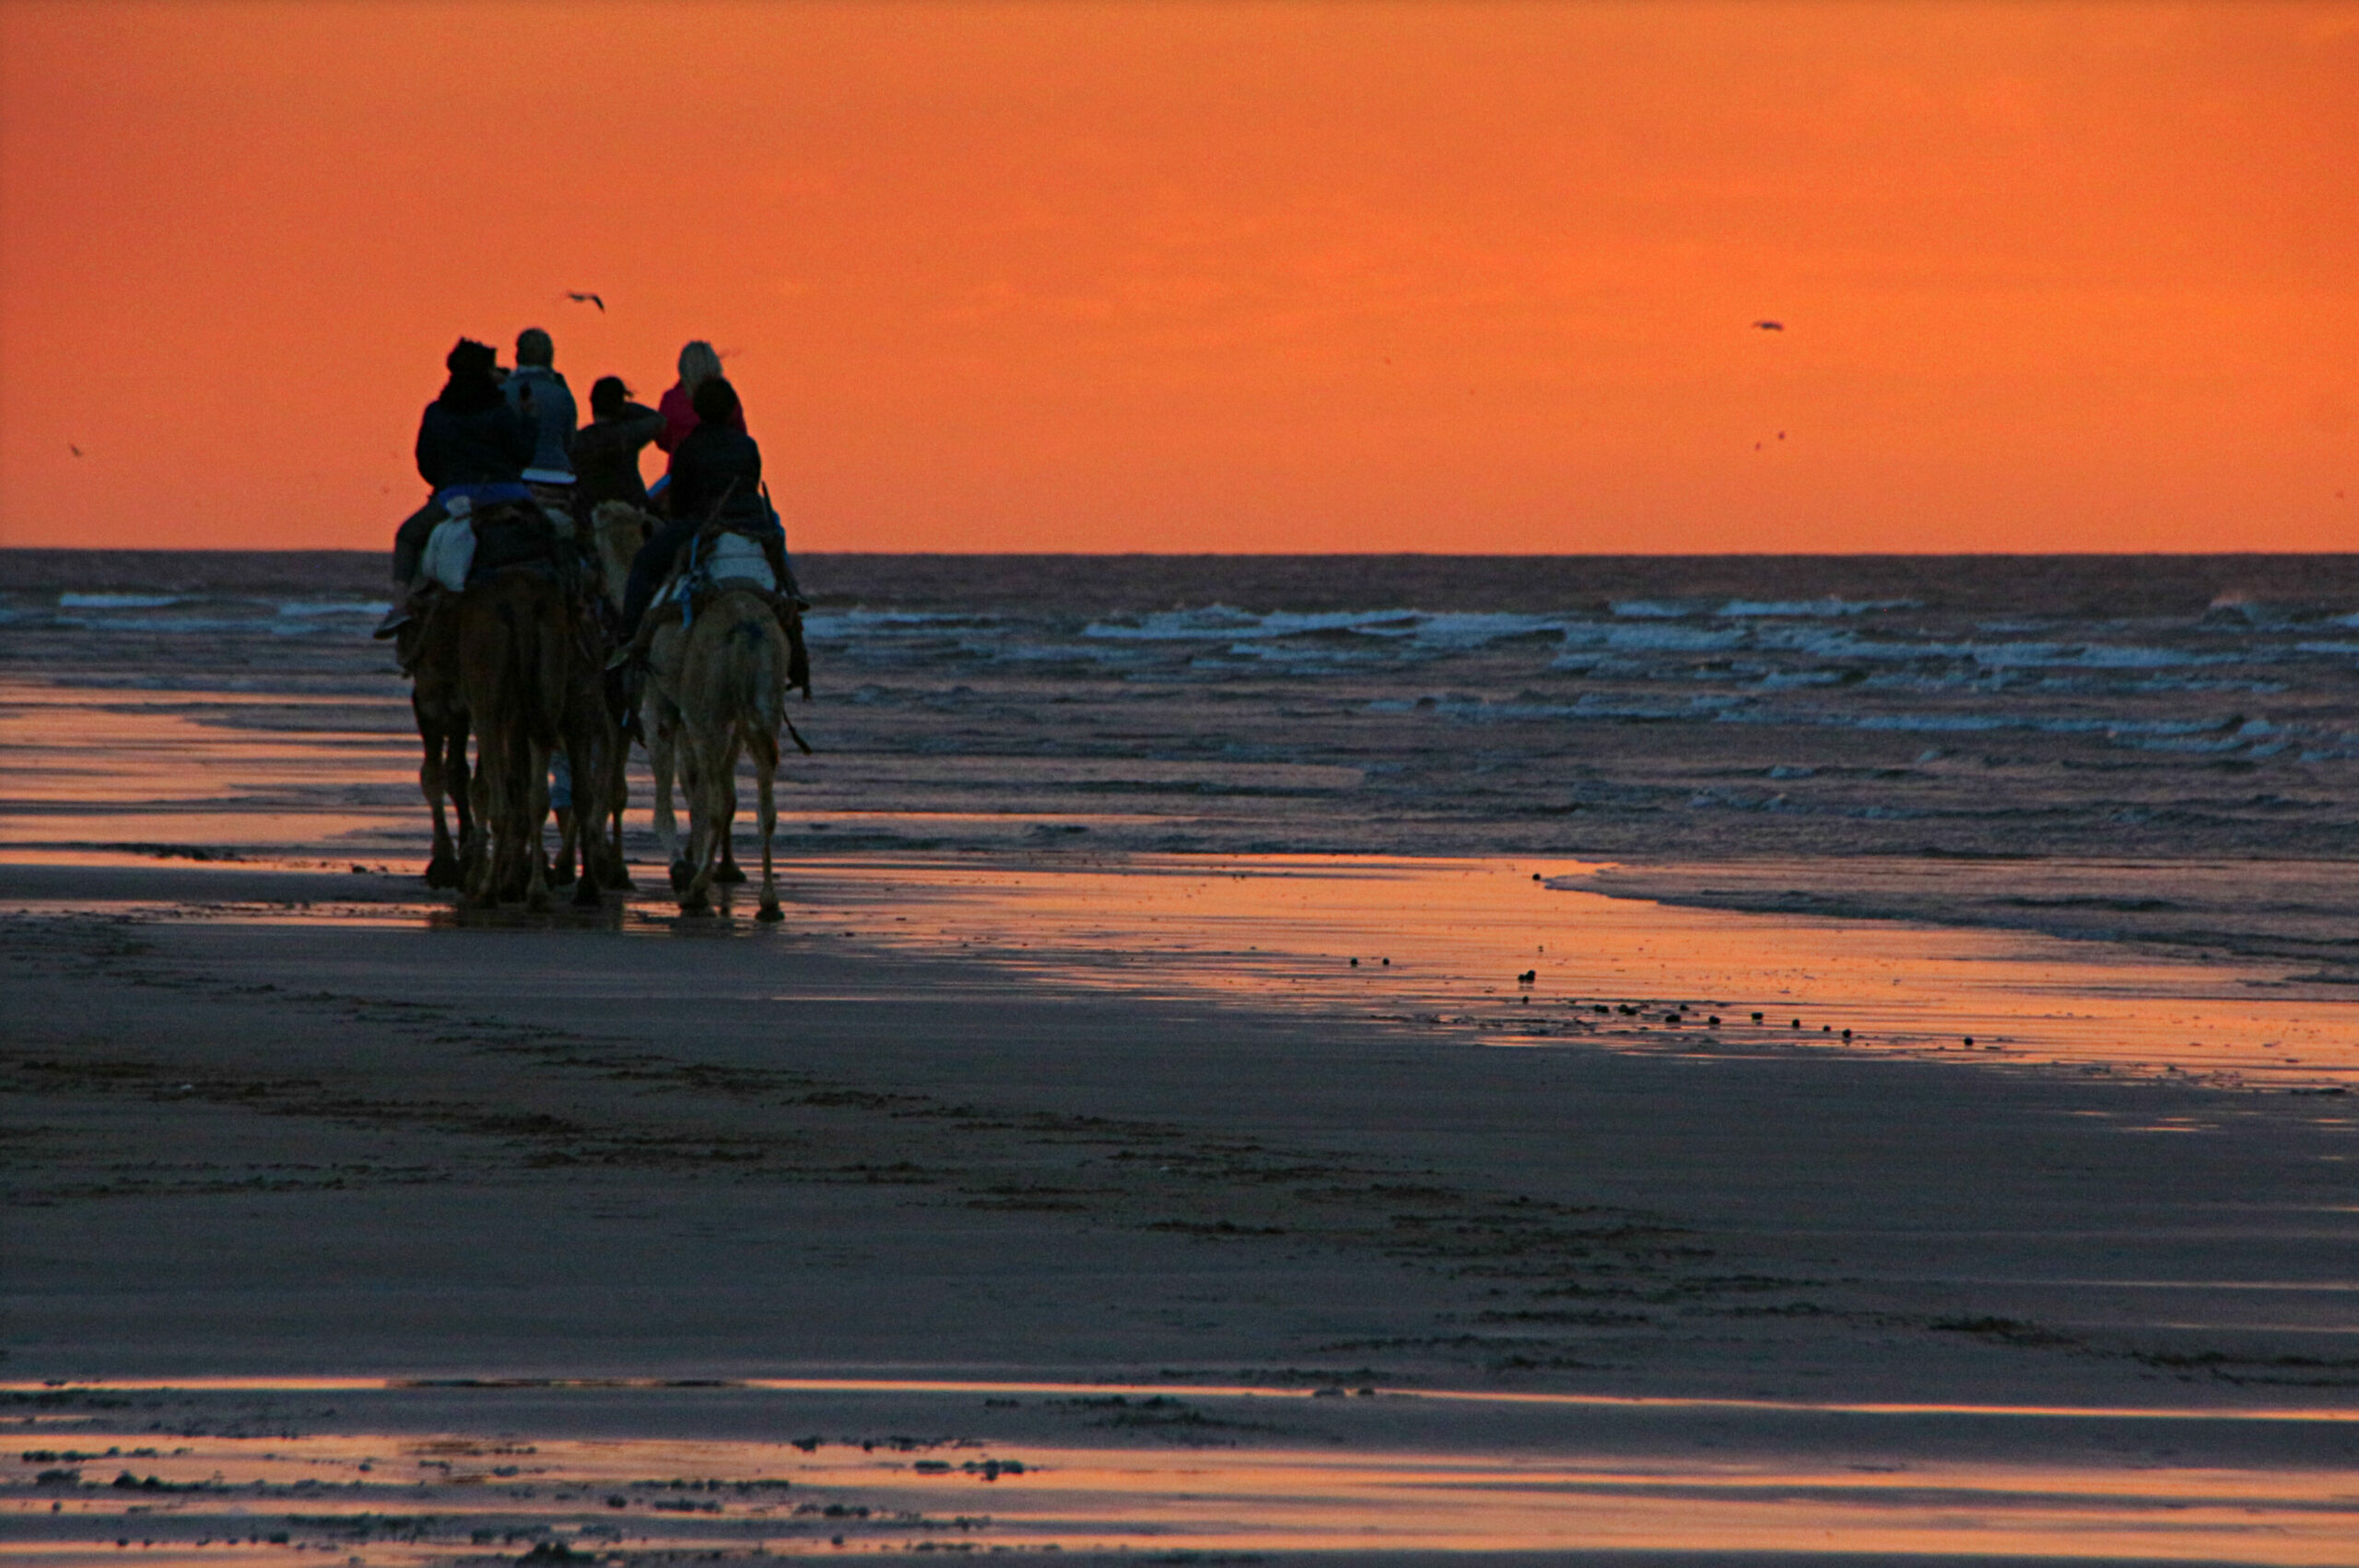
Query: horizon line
[1299,555]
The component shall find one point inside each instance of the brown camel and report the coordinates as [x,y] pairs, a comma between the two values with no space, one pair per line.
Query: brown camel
[514,657]
[729,690]
[596,751]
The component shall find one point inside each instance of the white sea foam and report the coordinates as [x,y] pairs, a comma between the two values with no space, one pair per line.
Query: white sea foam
[1827,608]
[309,607]
[116,601]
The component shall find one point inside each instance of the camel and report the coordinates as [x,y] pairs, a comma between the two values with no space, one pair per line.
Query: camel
[595,748]
[727,685]
[617,531]
[430,649]
[515,653]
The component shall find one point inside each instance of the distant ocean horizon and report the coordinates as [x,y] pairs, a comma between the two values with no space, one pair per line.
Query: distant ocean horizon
[2148,579]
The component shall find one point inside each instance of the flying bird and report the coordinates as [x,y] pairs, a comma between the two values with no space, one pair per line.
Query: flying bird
[75,450]
[580,297]
[1769,326]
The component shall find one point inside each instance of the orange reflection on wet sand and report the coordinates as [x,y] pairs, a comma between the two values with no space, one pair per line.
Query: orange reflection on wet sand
[1445,942]
[385,1498]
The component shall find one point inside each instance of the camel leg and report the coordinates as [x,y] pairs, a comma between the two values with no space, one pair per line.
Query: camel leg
[620,795]
[684,757]
[693,875]
[458,785]
[497,767]
[482,887]
[724,865]
[568,833]
[725,807]
[585,823]
[568,820]
[535,821]
[725,796]
[614,802]
[711,782]
[442,867]
[662,759]
[765,750]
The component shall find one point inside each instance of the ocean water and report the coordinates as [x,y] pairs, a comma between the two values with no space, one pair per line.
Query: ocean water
[1687,708]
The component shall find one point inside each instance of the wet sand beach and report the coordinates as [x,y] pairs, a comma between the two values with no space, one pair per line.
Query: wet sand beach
[280,1125]
[1030,1188]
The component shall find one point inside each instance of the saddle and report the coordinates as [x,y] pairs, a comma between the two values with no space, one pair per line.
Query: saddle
[718,560]
[515,533]
[723,559]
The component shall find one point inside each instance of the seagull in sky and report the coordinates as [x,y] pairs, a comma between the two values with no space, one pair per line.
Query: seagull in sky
[581,297]
[1769,326]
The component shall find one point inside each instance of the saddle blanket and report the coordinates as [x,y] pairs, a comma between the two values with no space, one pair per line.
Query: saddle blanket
[736,559]
[450,551]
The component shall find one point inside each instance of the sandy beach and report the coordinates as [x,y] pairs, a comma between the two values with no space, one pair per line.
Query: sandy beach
[275,1126]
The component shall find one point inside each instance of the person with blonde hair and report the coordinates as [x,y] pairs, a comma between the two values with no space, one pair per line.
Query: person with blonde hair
[698,364]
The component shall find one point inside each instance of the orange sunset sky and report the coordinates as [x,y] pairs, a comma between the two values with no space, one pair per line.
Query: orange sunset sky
[1192,276]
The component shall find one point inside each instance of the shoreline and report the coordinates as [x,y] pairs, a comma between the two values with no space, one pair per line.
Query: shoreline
[1647,957]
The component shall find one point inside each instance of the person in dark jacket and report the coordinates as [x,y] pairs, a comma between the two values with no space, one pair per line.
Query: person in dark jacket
[469,435]
[470,442]
[605,451]
[716,476]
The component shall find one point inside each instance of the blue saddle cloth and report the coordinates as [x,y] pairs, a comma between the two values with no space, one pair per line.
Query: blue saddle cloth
[490,493]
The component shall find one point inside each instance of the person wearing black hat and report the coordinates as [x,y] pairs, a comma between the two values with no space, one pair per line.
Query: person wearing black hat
[605,451]
[469,442]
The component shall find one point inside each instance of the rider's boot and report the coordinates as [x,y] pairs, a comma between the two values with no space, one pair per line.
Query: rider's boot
[789,608]
[659,614]
[397,615]
[409,633]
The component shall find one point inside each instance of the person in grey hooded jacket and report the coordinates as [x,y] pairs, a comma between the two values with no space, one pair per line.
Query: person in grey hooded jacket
[535,391]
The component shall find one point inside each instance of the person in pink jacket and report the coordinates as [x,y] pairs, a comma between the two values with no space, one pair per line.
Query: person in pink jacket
[698,364]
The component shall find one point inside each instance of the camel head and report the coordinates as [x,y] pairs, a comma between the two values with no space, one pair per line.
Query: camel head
[619,530]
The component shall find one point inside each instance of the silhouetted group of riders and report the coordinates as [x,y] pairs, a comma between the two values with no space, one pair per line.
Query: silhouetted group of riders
[516,617]
[506,458]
